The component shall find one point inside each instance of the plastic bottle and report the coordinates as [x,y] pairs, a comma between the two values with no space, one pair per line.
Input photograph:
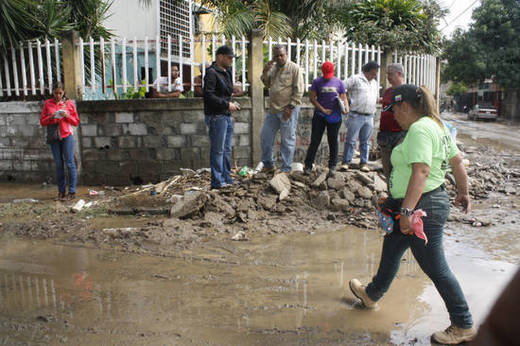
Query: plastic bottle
[243,172]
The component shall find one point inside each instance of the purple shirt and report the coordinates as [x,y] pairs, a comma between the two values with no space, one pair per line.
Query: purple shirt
[327,90]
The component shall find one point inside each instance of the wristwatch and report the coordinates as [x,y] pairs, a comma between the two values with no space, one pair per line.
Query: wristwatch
[406,212]
[291,106]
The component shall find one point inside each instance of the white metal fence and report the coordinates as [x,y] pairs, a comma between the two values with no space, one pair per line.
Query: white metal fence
[121,65]
[30,69]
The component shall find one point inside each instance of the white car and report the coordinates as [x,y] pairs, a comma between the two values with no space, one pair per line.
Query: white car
[484,111]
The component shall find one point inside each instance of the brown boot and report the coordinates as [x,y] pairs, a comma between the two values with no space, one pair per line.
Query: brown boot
[61,196]
[359,291]
[454,335]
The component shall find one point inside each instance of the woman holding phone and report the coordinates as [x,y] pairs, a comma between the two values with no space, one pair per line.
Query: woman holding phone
[59,116]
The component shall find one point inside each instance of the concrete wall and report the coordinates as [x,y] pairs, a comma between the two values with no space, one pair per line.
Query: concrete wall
[118,142]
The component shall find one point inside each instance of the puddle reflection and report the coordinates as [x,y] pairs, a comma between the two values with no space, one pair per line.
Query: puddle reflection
[284,287]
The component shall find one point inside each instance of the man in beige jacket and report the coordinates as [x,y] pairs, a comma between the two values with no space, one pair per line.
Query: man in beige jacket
[285,82]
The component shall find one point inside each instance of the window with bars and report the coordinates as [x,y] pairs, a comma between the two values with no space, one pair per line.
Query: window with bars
[175,20]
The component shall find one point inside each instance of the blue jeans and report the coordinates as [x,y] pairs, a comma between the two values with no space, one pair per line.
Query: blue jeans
[430,257]
[221,139]
[361,126]
[63,153]
[273,123]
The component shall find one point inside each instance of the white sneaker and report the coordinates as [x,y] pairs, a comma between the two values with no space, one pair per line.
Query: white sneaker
[454,335]
[359,291]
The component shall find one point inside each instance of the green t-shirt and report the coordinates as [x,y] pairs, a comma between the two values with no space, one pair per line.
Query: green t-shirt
[425,142]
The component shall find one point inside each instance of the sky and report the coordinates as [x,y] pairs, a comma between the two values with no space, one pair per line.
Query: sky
[459,16]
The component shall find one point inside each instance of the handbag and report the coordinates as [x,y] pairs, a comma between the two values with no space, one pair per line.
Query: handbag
[53,133]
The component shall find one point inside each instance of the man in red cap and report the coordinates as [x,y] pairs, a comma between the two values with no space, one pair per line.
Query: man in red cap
[329,98]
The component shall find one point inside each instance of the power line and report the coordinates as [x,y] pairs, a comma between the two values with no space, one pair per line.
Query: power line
[460,14]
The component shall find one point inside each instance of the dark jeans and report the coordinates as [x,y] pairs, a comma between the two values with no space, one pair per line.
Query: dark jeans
[63,153]
[221,139]
[319,124]
[430,257]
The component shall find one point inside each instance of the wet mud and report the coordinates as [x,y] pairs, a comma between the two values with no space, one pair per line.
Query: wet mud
[106,276]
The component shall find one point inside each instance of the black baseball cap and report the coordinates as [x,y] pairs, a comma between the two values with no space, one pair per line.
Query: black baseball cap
[404,92]
[225,50]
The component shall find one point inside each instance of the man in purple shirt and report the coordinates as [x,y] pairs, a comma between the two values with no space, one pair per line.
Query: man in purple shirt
[329,98]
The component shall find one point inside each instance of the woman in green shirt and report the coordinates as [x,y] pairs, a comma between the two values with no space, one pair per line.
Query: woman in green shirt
[419,166]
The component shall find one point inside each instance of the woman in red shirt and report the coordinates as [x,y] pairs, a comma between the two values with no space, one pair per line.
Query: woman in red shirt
[61,111]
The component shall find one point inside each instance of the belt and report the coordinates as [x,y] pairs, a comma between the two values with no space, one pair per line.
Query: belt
[365,114]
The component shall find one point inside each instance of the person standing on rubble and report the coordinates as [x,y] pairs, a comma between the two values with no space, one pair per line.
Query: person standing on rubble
[390,133]
[325,94]
[284,79]
[218,88]
[417,182]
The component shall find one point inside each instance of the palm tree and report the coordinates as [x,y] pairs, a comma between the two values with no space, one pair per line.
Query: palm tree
[16,21]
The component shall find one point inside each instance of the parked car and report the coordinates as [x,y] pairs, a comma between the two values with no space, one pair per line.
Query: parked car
[483,111]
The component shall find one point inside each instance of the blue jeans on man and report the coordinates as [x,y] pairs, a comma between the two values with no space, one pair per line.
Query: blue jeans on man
[273,123]
[63,154]
[430,257]
[221,140]
[358,125]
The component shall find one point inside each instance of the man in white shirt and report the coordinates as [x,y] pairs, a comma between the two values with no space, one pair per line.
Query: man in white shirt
[162,91]
[363,93]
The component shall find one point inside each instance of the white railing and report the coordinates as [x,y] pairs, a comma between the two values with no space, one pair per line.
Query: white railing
[31,68]
[418,69]
[121,64]
[347,57]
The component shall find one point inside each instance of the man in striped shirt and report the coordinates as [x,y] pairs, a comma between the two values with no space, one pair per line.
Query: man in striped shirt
[363,93]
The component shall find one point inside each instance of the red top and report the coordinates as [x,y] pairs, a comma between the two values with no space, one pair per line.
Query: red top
[387,121]
[50,107]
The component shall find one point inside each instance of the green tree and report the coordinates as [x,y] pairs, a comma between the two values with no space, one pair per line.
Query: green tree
[22,20]
[497,29]
[276,18]
[456,89]
[465,60]
[404,25]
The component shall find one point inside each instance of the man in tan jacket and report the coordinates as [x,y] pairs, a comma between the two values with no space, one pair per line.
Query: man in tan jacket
[285,82]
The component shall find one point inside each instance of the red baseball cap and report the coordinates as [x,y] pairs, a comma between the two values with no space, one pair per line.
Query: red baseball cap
[328,69]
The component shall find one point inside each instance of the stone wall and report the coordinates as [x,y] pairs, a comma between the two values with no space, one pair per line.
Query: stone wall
[129,141]
[150,140]
[24,155]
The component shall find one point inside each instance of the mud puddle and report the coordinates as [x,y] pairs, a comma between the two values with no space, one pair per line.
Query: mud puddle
[280,290]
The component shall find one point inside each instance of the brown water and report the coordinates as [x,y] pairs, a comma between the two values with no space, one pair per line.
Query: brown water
[276,290]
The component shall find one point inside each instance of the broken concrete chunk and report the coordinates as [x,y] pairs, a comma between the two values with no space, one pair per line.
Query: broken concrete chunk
[321,200]
[192,202]
[379,184]
[267,202]
[354,185]
[365,192]
[365,178]
[337,183]
[348,195]
[340,204]
[320,180]
[281,184]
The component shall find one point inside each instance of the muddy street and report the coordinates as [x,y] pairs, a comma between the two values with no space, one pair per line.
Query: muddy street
[122,272]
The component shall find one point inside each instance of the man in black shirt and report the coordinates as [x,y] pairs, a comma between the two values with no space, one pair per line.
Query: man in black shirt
[218,88]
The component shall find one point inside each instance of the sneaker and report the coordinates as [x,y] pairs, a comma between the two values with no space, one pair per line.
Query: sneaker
[307,170]
[359,291]
[344,166]
[267,170]
[332,172]
[454,335]
[364,167]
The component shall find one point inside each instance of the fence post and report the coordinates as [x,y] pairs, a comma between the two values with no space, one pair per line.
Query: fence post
[438,81]
[71,65]
[256,87]
[386,59]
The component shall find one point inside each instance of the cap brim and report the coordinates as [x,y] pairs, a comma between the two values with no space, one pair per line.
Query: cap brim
[388,108]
